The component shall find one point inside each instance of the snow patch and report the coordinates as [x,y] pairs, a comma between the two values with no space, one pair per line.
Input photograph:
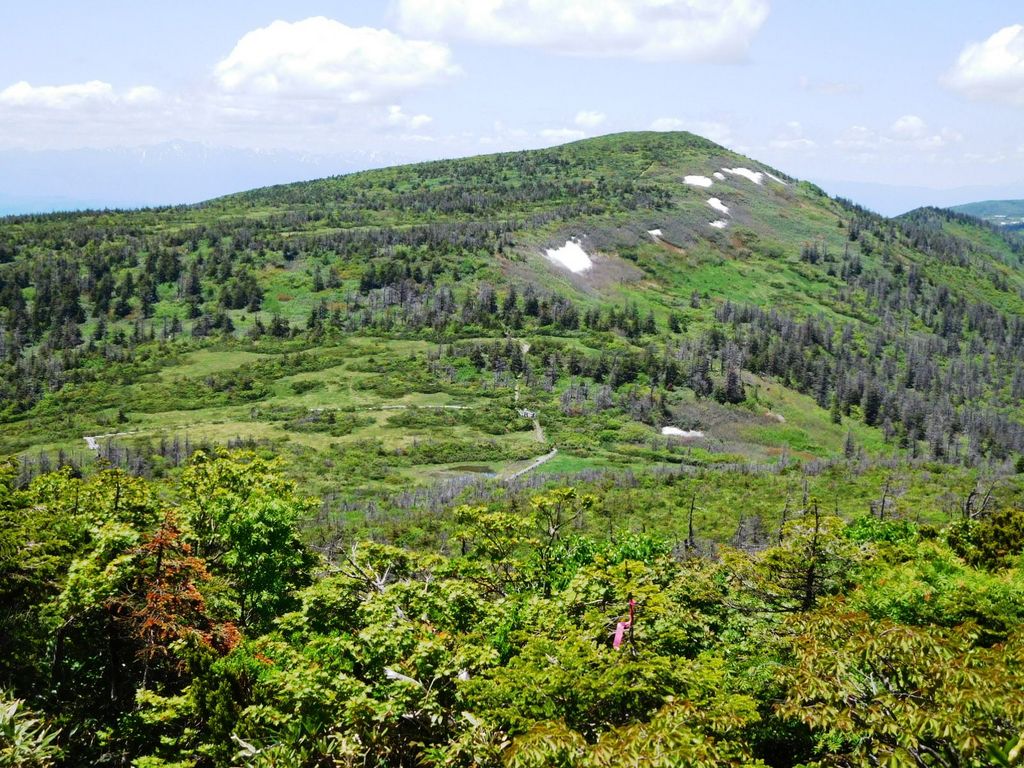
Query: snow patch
[718,205]
[719,175]
[697,181]
[773,177]
[720,224]
[655,233]
[571,256]
[755,176]
[677,432]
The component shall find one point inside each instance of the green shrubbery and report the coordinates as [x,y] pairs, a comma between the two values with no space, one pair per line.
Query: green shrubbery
[188,626]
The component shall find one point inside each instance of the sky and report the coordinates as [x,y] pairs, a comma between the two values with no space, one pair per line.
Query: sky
[126,103]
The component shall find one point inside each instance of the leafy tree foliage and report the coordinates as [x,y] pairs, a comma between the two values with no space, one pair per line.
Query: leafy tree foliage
[242,516]
[992,541]
[187,625]
[886,693]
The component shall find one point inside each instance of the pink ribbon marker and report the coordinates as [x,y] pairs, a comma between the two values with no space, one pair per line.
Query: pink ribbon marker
[622,626]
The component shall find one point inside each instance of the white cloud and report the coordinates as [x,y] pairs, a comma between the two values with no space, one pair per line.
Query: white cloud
[73,95]
[720,133]
[909,132]
[399,118]
[651,30]
[323,58]
[93,113]
[942,138]
[97,114]
[909,128]
[142,94]
[72,115]
[589,119]
[912,129]
[992,69]
[562,134]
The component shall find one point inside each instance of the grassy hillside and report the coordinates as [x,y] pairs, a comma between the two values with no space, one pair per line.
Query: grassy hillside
[404,328]
[1003,213]
[628,452]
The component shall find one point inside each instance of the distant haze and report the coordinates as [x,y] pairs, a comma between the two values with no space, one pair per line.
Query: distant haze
[172,173]
[891,200]
[180,173]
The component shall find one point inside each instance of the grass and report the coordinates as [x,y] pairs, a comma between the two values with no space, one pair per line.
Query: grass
[204,362]
[224,388]
[353,386]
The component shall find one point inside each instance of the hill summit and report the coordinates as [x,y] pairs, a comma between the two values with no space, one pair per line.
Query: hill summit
[625,289]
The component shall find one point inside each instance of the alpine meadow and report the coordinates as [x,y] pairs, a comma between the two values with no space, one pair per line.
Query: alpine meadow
[633,450]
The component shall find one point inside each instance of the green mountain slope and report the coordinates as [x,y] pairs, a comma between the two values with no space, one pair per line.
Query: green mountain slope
[1003,213]
[408,326]
[599,483]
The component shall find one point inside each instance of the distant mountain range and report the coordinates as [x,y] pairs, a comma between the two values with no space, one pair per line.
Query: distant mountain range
[1005,213]
[892,200]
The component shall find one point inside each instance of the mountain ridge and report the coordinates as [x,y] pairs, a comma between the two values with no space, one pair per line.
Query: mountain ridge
[715,279]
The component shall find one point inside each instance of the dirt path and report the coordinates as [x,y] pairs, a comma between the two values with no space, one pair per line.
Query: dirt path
[366,408]
[532,465]
[538,431]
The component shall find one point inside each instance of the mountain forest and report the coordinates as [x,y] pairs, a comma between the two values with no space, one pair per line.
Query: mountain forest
[628,452]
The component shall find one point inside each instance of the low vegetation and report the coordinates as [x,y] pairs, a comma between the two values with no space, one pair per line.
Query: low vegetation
[347,473]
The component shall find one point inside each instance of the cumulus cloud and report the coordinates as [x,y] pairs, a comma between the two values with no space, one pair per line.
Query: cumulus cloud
[72,95]
[992,69]
[396,116]
[323,58]
[91,113]
[651,30]
[906,132]
[142,94]
[909,128]
[589,119]
[914,130]
[321,80]
[286,84]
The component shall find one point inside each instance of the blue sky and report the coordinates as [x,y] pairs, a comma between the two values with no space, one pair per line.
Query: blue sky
[916,95]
